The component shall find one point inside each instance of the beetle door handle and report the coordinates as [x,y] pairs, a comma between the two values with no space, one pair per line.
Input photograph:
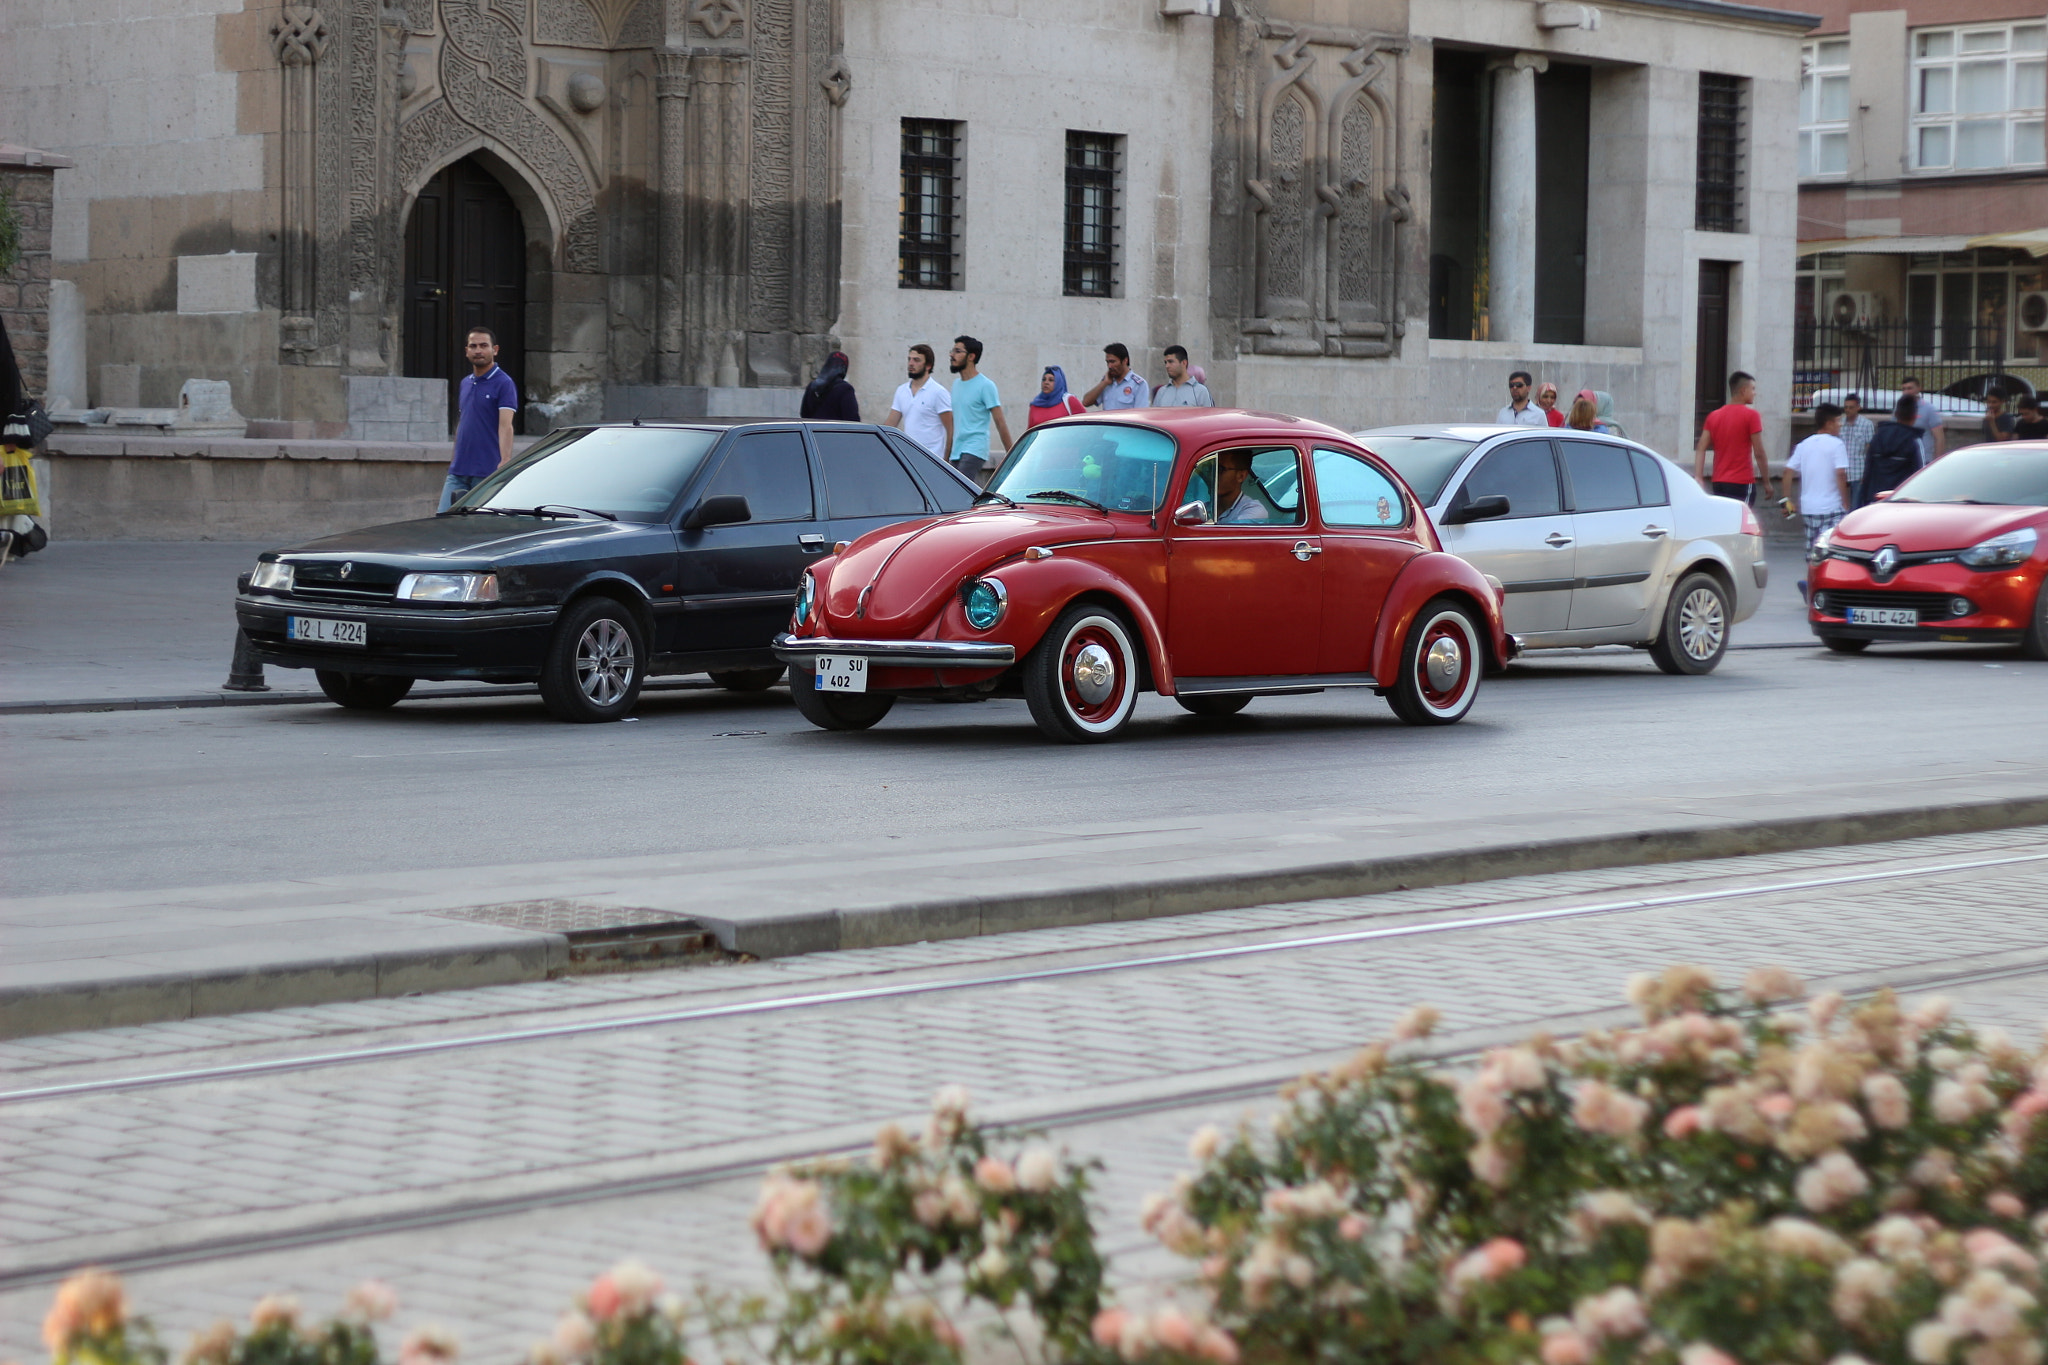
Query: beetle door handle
[1557,540]
[1303,550]
[1653,532]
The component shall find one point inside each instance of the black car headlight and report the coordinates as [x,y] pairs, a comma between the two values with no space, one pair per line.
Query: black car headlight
[448,587]
[272,576]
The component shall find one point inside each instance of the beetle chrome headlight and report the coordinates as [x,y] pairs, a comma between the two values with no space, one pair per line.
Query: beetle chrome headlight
[272,576]
[2014,547]
[806,598]
[448,587]
[985,600]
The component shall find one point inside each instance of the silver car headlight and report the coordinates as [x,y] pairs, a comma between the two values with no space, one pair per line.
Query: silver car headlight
[272,576]
[2014,547]
[448,587]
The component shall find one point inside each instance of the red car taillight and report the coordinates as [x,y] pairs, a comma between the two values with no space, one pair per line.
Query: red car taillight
[1750,525]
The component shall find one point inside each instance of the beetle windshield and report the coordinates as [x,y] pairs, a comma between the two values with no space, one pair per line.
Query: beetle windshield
[1118,467]
[633,473]
[1425,463]
[1985,473]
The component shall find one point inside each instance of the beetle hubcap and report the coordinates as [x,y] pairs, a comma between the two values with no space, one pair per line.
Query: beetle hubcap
[604,662]
[1444,663]
[1094,674]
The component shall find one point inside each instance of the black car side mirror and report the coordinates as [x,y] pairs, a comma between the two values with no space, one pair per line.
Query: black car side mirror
[1479,509]
[720,509]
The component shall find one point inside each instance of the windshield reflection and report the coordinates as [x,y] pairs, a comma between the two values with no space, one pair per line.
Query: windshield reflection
[632,473]
[1982,474]
[1107,465]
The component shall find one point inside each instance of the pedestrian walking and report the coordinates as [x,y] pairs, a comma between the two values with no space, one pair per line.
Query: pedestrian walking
[976,406]
[1181,389]
[829,398]
[1998,424]
[1735,431]
[486,405]
[1856,433]
[1894,454]
[1546,399]
[922,407]
[1120,388]
[1052,399]
[1520,412]
[2030,425]
[1929,422]
[1821,465]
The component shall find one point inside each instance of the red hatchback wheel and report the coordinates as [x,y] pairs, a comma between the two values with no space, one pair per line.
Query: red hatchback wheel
[1440,667]
[1081,678]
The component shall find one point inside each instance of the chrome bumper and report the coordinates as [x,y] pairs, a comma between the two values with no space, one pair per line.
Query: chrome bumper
[792,649]
[1515,646]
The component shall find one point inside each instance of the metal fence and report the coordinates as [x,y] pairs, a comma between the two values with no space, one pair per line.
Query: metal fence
[1962,361]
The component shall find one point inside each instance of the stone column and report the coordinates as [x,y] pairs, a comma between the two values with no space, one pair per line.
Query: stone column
[1511,230]
[715,294]
[299,36]
[672,95]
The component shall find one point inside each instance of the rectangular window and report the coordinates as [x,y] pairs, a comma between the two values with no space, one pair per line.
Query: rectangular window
[928,243]
[1824,109]
[1093,160]
[1717,197]
[1978,96]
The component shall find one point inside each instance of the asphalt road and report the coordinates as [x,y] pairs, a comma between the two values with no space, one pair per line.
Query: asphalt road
[134,800]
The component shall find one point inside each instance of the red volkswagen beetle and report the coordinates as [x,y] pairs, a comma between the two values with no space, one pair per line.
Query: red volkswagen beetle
[1209,555]
[1956,554]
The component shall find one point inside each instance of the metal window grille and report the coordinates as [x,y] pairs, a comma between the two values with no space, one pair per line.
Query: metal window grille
[1091,214]
[927,242]
[1717,200]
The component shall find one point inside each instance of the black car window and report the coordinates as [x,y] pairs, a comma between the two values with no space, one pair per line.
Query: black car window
[631,472]
[768,469]
[1601,478]
[946,491]
[1650,487]
[863,477]
[1523,472]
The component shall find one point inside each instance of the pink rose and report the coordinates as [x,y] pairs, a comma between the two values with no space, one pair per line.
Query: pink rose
[994,1174]
[1566,1348]
[1173,1330]
[1353,1227]
[1217,1345]
[1503,1254]
[1682,1122]
[1776,1108]
[1108,1329]
[604,1299]
[2006,1204]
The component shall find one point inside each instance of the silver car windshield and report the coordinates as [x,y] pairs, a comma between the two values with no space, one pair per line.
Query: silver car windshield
[1108,464]
[1425,463]
[633,473]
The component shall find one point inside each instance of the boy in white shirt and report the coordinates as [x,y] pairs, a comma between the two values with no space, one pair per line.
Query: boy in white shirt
[1821,464]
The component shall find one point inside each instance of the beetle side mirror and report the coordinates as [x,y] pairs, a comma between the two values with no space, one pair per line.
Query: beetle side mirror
[720,509]
[1479,509]
[1191,514]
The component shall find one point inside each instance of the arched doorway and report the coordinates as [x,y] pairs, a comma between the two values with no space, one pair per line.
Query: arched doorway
[465,266]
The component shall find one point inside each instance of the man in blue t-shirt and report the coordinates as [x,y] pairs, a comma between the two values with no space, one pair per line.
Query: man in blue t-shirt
[975,405]
[483,430]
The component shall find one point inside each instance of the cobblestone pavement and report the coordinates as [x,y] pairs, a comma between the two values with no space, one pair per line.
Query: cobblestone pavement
[119,1173]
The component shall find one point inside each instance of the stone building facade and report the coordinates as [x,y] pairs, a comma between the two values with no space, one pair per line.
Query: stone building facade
[27,186]
[678,206]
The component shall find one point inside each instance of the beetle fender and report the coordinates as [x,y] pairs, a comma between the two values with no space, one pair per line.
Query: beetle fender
[1424,577]
[1041,589]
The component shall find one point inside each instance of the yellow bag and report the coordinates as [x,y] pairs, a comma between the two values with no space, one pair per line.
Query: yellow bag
[17,484]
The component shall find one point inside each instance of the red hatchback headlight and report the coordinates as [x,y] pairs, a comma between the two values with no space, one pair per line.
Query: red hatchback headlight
[1750,525]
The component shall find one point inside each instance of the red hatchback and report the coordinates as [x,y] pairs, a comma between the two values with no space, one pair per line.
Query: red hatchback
[1209,555]
[1956,554]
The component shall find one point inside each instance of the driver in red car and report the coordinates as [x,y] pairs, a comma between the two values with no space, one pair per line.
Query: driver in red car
[1234,506]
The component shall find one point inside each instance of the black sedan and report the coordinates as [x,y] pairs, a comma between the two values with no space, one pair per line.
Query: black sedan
[600,556]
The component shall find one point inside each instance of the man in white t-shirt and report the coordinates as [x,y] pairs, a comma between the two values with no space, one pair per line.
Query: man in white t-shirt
[922,407]
[1821,464]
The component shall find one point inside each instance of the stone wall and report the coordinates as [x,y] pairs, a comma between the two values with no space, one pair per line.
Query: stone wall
[25,290]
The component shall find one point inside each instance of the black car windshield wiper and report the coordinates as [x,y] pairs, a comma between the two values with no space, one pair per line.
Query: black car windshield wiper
[988,494]
[1062,495]
[483,512]
[546,510]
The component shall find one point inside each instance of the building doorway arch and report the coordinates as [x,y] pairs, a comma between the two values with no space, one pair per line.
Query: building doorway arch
[465,266]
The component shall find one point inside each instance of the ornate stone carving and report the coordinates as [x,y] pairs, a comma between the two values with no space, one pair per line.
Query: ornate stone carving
[836,79]
[299,35]
[639,27]
[717,17]
[567,23]
[770,180]
[299,38]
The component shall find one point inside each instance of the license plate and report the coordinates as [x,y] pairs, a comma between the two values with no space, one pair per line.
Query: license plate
[325,631]
[1883,616]
[841,673]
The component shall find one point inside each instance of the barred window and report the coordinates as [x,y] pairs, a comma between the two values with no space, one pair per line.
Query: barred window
[1717,198]
[927,247]
[1091,236]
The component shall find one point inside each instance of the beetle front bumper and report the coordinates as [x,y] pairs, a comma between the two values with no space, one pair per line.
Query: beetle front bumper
[793,649]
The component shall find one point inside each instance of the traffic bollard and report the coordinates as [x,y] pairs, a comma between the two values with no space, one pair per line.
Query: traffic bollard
[245,673]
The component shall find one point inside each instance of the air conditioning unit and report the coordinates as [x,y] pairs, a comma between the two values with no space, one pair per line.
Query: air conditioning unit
[1852,308]
[2033,311]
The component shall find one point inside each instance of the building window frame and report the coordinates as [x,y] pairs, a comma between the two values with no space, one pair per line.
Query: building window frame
[1092,215]
[1719,178]
[1963,305]
[1978,65]
[1824,104]
[929,235]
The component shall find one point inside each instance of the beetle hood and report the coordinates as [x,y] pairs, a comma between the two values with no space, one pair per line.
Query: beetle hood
[905,572]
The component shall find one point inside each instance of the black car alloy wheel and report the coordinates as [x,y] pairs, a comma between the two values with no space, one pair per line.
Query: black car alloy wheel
[594,664]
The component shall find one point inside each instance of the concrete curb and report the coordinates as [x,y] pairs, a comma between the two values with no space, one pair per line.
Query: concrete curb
[504,957]
[195,699]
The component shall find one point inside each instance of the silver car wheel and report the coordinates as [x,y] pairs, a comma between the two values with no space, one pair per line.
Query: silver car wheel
[1702,624]
[604,662]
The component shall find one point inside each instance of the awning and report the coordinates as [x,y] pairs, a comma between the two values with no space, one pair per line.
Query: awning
[1891,246]
[2033,241]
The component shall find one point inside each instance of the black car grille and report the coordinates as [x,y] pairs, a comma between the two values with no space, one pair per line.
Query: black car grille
[368,594]
[1928,604]
[364,584]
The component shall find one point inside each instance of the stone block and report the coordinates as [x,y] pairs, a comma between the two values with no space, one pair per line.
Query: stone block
[394,408]
[217,284]
[64,387]
[207,406]
[120,387]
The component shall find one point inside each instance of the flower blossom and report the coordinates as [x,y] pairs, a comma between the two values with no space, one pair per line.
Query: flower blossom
[371,1301]
[1958,1100]
[791,1213]
[1038,1170]
[1682,1122]
[1768,985]
[1931,1013]
[1890,1106]
[214,1346]
[274,1310]
[1599,1108]
[1799,1239]
[1989,1249]
[891,1145]
[1699,1353]
[1566,1346]
[1206,1142]
[948,1116]
[1861,1285]
[1830,1182]
[994,1174]
[1490,1163]
[428,1346]
[90,1303]
[1616,1313]
[575,1336]
[1419,1022]
[2005,1204]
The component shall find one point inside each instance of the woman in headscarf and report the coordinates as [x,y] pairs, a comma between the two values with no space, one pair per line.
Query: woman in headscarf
[830,398]
[1581,416]
[1052,399]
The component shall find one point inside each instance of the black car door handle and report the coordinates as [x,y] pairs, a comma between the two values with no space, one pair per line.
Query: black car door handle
[811,543]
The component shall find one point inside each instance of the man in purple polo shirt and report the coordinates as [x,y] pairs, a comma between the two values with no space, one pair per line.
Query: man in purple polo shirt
[483,432]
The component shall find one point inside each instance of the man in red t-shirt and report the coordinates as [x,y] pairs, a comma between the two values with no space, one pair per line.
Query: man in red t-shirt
[1735,430]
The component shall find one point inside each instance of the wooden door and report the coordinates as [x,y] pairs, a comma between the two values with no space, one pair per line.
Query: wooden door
[465,266]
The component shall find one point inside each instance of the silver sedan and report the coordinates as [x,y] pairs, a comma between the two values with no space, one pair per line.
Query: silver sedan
[1596,540]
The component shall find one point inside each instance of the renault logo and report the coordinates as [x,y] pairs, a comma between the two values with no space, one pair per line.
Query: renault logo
[347,569]
[1883,564]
